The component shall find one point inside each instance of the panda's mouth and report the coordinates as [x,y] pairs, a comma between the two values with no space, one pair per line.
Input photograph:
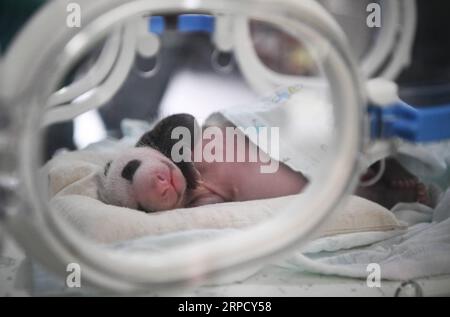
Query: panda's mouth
[187,169]
[175,190]
[177,180]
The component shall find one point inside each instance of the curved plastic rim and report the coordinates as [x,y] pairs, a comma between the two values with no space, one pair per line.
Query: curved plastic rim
[387,56]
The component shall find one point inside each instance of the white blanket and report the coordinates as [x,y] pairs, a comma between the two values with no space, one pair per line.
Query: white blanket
[350,240]
[74,181]
[422,250]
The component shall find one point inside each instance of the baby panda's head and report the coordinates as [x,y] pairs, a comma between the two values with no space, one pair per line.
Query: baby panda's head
[145,177]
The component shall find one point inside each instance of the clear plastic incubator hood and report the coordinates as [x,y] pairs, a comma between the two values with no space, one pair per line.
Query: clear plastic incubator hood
[330,127]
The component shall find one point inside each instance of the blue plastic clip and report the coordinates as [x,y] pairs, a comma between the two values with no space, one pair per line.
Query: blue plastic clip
[156,24]
[196,23]
[185,23]
[410,123]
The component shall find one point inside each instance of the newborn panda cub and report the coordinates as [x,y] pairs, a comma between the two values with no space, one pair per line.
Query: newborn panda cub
[147,179]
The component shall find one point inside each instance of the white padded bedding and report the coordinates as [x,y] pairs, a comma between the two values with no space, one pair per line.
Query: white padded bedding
[73,183]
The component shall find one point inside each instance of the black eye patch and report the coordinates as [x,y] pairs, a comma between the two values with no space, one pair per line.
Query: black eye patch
[130,169]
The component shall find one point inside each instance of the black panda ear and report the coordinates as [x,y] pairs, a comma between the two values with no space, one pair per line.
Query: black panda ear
[160,137]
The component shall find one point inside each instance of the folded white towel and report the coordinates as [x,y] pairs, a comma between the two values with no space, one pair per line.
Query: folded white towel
[74,182]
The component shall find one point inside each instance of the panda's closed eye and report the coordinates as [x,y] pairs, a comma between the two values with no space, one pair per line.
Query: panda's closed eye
[106,170]
[130,169]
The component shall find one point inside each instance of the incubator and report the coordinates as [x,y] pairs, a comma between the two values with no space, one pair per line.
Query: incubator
[341,115]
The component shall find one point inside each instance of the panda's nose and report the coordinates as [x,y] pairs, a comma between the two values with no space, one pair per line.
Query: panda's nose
[162,181]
